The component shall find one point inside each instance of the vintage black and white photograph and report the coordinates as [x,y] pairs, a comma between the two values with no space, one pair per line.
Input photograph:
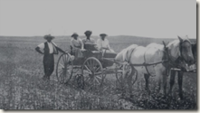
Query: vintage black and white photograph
[98,55]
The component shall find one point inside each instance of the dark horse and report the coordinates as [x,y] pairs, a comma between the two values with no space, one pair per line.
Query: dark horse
[176,54]
[180,73]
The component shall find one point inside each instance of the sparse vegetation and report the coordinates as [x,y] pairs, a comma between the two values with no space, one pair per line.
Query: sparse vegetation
[21,86]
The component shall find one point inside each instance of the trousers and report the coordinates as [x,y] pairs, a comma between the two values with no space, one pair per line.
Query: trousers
[48,63]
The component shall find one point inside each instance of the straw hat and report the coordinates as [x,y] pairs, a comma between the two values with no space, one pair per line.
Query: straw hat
[103,35]
[74,34]
[48,36]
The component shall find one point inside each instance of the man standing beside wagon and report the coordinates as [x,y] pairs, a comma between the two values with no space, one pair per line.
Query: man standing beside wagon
[49,49]
[77,46]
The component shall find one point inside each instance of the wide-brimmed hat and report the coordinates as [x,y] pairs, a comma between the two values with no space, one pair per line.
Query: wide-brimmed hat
[88,32]
[48,36]
[103,35]
[74,34]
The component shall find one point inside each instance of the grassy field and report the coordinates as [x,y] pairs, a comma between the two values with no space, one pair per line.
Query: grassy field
[21,86]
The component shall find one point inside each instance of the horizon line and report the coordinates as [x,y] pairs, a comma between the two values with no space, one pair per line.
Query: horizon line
[96,36]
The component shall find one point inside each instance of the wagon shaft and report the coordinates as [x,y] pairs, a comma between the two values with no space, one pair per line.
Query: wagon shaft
[111,70]
[148,64]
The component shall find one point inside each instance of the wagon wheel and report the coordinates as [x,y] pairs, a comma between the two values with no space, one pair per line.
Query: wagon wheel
[92,72]
[131,76]
[64,69]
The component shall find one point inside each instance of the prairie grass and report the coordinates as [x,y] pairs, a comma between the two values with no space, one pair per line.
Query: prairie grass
[21,86]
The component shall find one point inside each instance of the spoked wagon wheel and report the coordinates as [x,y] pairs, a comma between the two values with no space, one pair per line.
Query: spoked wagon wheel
[129,78]
[92,71]
[64,69]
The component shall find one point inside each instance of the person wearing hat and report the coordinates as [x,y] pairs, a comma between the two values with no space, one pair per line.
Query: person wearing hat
[49,49]
[88,42]
[103,44]
[76,45]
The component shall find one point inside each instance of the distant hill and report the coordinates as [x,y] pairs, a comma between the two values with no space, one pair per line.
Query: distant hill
[113,39]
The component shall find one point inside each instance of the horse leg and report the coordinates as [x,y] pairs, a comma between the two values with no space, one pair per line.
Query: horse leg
[180,81]
[172,78]
[158,79]
[129,78]
[146,76]
[159,85]
[164,83]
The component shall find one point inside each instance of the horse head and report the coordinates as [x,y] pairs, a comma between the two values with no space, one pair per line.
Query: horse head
[180,52]
[186,50]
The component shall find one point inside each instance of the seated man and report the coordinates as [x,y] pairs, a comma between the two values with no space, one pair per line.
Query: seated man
[89,44]
[103,44]
[76,46]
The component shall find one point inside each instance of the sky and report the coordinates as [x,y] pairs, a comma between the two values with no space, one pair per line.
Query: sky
[148,18]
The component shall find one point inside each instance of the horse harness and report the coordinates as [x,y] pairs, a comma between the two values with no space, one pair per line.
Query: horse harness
[129,58]
[166,62]
[150,64]
[176,64]
[144,64]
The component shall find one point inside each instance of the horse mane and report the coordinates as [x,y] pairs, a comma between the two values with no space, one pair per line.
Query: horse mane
[174,47]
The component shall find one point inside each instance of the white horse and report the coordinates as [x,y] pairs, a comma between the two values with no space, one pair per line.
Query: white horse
[140,55]
[150,54]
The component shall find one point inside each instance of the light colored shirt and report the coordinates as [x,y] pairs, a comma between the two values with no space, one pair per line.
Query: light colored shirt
[51,46]
[76,43]
[103,43]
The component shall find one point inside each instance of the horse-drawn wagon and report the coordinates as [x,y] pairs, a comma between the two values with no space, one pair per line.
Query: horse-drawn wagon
[154,59]
[91,69]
